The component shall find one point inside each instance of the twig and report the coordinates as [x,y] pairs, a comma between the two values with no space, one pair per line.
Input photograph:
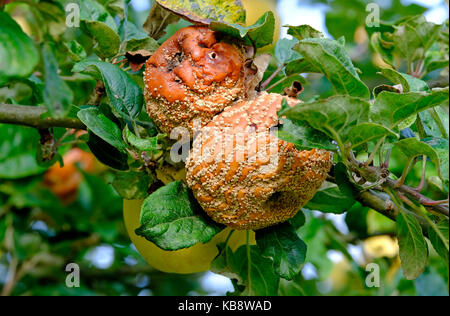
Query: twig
[32,116]
[430,203]
[416,196]
[422,178]
[375,150]
[271,77]
[409,165]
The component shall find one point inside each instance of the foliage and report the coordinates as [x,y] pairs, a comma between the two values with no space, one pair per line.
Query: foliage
[386,123]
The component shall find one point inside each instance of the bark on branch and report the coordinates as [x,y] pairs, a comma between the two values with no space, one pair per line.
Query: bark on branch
[31,116]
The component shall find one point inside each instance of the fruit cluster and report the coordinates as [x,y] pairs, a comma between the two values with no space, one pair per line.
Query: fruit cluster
[240,172]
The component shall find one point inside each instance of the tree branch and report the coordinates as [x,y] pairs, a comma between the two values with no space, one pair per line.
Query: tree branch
[416,196]
[381,203]
[381,175]
[32,116]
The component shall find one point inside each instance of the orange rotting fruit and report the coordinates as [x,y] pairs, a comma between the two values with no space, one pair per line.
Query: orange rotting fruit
[64,181]
[193,75]
[244,176]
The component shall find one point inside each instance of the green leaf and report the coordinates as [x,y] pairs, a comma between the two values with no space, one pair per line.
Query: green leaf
[303,136]
[369,132]
[440,245]
[413,38]
[136,38]
[207,11]
[91,10]
[172,219]
[18,152]
[287,251]
[101,25]
[435,122]
[58,96]
[128,30]
[157,21]
[249,268]
[331,58]
[124,94]
[330,200]
[390,109]
[75,51]
[386,53]
[108,41]
[298,220]
[437,64]
[300,66]
[107,154]
[412,148]
[18,53]
[259,34]
[102,126]
[284,52]
[304,31]
[334,116]
[132,185]
[291,288]
[148,144]
[408,82]
[413,247]
[441,147]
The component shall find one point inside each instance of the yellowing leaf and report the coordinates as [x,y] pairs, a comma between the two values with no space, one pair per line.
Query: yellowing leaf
[206,11]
